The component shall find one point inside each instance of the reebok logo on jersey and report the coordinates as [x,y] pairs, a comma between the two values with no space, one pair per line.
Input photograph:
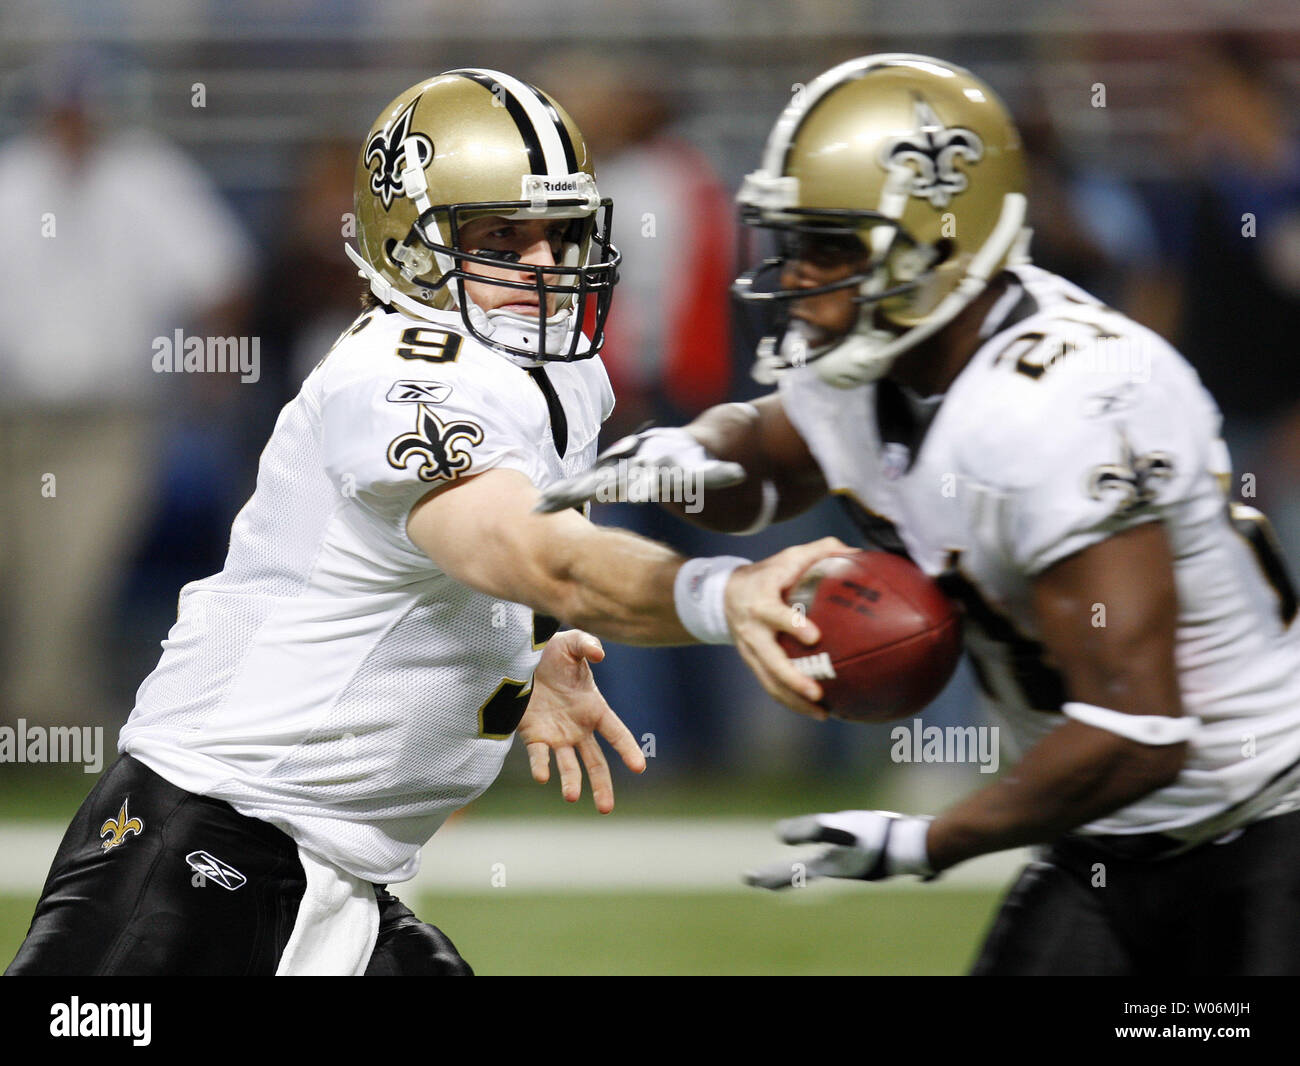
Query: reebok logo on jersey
[1112,401]
[210,867]
[418,392]
[116,830]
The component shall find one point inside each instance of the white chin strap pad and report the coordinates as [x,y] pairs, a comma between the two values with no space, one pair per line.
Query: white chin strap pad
[522,331]
[1156,730]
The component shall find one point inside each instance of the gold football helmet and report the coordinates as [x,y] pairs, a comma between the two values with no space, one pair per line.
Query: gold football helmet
[468,144]
[914,166]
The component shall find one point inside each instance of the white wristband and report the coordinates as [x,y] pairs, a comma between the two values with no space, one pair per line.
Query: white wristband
[1154,729]
[907,853]
[698,594]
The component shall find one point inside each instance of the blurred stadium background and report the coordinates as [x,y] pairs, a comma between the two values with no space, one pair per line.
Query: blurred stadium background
[196,156]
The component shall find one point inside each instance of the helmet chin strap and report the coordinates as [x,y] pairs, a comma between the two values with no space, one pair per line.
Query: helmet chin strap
[866,353]
[384,291]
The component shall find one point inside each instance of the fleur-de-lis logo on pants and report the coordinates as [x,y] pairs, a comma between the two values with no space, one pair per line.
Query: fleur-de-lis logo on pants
[115,830]
[444,459]
[928,156]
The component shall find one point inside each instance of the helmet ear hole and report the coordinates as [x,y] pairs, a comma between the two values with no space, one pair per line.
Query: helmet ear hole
[943,249]
[389,245]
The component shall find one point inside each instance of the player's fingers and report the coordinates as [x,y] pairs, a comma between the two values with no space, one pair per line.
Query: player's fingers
[539,762]
[780,668]
[813,828]
[578,645]
[720,475]
[841,862]
[569,493]
[590,648]
[570,774]
[624,447]
[602,785]
[557,498]
[620,738]
[784,617]
[761,598]
[776,875]
[792,562]
[783,694]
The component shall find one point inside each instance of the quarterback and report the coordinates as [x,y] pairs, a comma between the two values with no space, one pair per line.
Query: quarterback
[1059,470]
[386,617]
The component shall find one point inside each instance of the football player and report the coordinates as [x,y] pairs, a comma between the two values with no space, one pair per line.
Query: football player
[386,617]
[1058,469]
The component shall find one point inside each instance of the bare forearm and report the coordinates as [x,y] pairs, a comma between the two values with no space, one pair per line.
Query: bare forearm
[1073,776]
[485,534]
[618,586]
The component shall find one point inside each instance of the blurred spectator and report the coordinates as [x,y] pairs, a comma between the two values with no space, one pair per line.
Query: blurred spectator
[1240,243]
[307,294]
[112,239]
[310,291]
[1090,225]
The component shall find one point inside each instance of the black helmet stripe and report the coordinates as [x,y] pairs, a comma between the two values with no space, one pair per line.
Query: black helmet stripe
[536,157]
[545,138]
[570,157]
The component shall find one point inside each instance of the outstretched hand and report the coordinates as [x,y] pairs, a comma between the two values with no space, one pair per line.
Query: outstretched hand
[565,712]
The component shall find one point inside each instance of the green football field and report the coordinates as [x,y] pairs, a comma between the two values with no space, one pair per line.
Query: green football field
[878,931]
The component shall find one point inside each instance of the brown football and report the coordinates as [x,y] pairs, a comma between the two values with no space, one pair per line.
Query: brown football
[890,639]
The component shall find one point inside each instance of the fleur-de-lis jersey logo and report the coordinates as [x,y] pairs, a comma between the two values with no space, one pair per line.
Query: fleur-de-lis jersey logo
[435,441]
[1134,479]
[927,157]
[386,153]
[116,830]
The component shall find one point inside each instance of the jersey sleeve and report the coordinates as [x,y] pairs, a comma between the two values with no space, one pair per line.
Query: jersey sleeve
[1093,458]
[387,441]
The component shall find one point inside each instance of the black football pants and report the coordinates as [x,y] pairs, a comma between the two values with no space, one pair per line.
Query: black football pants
[1224,909]
[153,880]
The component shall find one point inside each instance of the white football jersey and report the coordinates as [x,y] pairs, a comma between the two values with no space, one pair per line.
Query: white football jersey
[1071,423]
[330,679]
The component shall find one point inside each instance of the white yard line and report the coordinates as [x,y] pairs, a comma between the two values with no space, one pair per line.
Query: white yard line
[542,855]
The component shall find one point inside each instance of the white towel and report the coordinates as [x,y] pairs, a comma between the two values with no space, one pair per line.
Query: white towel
[338,923]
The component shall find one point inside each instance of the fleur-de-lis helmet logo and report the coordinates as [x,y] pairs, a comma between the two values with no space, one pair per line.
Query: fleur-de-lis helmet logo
[386,154]
[926,158]
[435,441]
[116,830]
